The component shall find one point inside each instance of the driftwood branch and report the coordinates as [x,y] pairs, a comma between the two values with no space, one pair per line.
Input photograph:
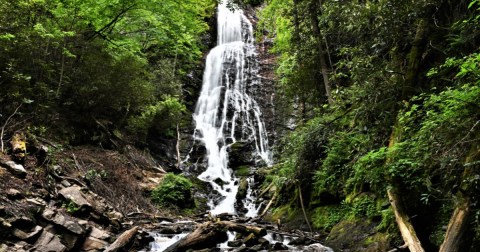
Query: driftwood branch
[274,198]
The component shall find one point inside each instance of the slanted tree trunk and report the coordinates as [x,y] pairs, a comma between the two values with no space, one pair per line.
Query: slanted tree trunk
[458,227]
[406,228]
[403,221]
[323,62]
[457,237]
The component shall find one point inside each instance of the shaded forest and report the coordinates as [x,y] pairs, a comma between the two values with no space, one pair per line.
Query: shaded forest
[387,93]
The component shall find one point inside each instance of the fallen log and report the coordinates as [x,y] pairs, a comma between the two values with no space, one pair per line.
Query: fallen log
[274,198]
[209,234]
[406,228]
[244,229]
[122,240]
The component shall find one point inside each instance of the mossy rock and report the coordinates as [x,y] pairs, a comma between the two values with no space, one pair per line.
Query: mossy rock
[242,171]
[357,235]
[325,217]
[242,189]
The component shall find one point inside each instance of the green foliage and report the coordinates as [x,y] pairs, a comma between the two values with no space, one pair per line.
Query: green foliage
[163,117]
[383,130]
[71,207]
[325,217]
[96,60]
[174,190]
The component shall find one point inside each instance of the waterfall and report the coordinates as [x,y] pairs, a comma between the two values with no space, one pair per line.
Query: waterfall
[226,112]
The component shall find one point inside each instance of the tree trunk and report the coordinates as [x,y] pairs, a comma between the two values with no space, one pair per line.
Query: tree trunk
[458,237]
[414,58]
[403,221]
[323,62]
[404,225]
[457,231]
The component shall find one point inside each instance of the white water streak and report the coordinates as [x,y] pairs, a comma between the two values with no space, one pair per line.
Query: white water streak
[225,111]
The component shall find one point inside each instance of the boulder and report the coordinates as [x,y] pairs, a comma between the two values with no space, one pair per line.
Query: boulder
[317,247]
[96,241]
[75,195]
[65,222]
[240,154]
[279,246]
[235,244]
[358,234]
[27,236]
[14,168]
[92,244]
[49,242]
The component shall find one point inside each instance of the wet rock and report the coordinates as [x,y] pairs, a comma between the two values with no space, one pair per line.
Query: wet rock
[49,242]
[263,243]
[301,241]
[242,189]
[169,230]
[235,244]
[122,240]
[257,247]
[317,247]
[14,168]
[240,155]
[279,246]
[250,240]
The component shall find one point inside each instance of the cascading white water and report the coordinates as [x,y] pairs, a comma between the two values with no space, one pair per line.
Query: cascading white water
[225,111]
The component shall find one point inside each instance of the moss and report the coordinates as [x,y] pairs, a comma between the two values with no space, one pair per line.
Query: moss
[286,212]
[174,190]
[242,171]
[358,235]
[325,217]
